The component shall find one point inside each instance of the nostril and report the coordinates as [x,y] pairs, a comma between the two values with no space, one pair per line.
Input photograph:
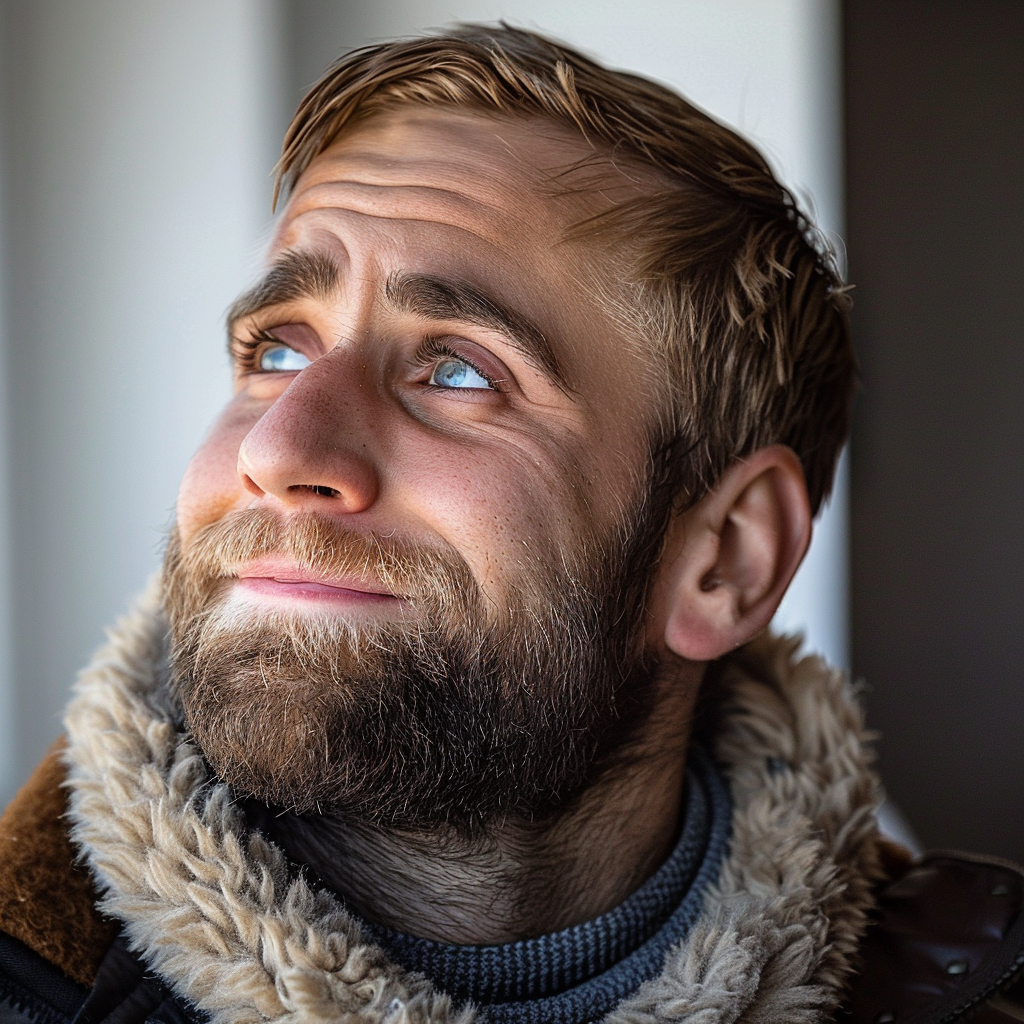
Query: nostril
[327,492]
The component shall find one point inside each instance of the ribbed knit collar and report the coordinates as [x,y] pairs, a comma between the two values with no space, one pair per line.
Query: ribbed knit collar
[580,973]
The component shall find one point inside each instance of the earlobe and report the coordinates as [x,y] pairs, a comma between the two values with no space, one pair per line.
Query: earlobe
[729,559]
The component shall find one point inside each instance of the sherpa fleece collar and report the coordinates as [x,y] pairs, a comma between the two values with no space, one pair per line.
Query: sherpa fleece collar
[217,913]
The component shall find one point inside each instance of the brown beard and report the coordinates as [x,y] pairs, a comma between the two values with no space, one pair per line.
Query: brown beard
[456,718]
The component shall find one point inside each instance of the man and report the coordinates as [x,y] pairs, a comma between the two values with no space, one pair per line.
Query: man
[454,699]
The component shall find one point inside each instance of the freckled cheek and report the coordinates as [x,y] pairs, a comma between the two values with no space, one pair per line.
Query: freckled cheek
[497,510]
[211,486]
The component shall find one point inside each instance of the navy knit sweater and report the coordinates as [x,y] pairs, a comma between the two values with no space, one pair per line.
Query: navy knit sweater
[578,975]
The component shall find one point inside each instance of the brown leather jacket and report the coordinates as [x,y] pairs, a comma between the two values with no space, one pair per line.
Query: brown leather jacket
[947,944]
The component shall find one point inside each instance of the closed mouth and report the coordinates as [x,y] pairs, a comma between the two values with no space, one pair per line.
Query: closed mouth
[277,579]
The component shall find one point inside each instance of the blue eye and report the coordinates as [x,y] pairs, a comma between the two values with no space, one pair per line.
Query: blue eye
[456,373]
[282,359]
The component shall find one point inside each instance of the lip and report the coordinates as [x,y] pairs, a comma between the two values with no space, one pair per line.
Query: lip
[269,578]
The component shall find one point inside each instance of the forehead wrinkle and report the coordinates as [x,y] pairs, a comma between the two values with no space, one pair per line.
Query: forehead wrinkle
[415,203]
[312,214]
[414,168]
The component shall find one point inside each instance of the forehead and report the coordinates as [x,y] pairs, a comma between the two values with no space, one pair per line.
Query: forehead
[461,165]
[477,198]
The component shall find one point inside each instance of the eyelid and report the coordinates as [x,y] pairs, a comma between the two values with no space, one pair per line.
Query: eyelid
[247,345]
[435,348]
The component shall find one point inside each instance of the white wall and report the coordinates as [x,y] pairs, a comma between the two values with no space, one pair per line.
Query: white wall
[770,68]
[140,137]
[8,729]
[134,193]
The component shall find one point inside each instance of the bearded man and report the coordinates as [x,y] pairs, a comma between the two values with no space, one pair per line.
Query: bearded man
[454,699]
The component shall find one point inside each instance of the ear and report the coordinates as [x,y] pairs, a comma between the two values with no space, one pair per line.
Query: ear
[728,560]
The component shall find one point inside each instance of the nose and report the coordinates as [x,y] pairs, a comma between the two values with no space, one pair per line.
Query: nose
[311,448]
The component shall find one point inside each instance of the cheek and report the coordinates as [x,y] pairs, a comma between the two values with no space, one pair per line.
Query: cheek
[211,486]
[505,507]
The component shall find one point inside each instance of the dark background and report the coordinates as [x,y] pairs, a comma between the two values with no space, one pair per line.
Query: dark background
[935,231]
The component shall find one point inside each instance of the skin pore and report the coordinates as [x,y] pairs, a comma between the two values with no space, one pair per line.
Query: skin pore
[424,361]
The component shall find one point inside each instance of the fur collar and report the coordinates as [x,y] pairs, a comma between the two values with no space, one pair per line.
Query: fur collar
[219,915]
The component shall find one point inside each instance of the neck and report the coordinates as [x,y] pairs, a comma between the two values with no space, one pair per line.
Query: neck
[519,880]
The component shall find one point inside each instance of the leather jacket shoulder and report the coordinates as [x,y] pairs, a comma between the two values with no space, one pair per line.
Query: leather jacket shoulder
[946,944]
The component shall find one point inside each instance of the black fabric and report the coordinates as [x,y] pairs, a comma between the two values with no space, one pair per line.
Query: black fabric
[170,1011]
[126,993]
[14,1014]
[32,989]
[122,993]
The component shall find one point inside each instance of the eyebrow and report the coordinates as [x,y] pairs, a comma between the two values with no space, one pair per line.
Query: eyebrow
[294,275]
[316,275]
[435,299]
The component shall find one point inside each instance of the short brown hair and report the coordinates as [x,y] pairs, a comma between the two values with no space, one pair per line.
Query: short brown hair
[733,286]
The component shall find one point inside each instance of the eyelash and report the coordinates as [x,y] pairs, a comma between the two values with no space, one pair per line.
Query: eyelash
[244,350]
[432,350]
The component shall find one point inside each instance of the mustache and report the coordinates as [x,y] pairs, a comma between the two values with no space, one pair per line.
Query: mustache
[324,547]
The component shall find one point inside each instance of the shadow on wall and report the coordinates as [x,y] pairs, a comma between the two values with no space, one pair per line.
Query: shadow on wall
[935,150]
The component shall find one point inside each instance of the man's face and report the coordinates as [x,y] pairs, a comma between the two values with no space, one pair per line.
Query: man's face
[436,445]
